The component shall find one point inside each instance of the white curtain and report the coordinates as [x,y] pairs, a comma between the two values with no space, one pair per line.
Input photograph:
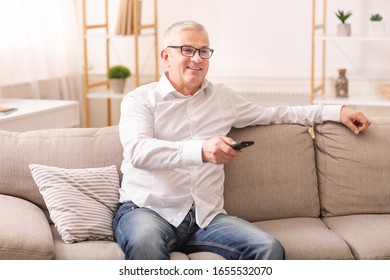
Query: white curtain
[40,49]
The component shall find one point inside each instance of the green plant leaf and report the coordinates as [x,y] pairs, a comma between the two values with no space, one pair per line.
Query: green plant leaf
[343,16]
[376,17]
[118,72]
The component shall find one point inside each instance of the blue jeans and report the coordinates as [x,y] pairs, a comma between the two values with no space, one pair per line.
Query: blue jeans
[144,235]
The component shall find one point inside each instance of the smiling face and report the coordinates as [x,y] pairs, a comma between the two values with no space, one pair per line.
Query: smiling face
[186,73]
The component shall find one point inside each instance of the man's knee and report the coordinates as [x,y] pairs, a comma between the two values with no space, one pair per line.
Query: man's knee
[273,249]
[140,235]
[147,246]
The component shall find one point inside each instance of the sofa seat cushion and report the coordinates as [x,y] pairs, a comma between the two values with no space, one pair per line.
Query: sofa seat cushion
[367,235]
[353,170]
[103,250]
[307,239]
[205,256]
[276,177]
[86,250]
[24,231]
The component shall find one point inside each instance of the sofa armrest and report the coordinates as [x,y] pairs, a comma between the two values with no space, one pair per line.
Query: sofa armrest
[24,231]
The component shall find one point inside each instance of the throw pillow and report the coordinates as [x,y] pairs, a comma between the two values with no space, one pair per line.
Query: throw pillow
[81,202]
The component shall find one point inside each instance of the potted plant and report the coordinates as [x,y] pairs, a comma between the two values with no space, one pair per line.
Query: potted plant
[377,26]
[343,28]
[117,75]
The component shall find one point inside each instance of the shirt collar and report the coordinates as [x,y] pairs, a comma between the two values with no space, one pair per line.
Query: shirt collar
[165,88]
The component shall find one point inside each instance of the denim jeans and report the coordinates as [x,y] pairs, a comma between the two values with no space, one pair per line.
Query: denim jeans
[144,235]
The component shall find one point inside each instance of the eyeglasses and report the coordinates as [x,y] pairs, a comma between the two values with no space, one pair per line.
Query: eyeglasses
[189,51]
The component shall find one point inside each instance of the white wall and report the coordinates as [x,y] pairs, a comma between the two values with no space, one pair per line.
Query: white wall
[258,38]
[250,37]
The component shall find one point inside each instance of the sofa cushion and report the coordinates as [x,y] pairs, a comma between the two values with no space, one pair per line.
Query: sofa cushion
[24,231]
[367,235]
[86,250]
[204,256]
[276,177]
[353,170]
[68,148]
[81,202]
[307,239]
[104,250]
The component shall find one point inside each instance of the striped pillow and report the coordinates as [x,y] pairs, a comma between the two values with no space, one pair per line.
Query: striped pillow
[81,202]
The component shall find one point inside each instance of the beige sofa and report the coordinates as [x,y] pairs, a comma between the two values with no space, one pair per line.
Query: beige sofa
[327,198]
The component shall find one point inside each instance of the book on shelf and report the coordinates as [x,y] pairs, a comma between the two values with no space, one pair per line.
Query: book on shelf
[124,24]
[7,110]
[124,9]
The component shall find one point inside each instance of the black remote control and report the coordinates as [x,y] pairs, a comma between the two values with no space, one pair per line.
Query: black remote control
[242,144]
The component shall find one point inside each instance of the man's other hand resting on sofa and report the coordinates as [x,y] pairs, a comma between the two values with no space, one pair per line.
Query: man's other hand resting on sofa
[355,121]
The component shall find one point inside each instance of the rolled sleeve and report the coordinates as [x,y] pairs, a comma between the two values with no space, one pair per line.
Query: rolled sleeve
[331,113]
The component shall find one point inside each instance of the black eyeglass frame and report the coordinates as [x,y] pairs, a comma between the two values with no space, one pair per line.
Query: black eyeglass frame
[194,52]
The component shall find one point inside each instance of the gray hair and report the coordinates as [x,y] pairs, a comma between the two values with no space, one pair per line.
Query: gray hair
[179,26]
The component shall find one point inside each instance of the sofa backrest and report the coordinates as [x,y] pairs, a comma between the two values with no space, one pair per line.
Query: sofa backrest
[353,170]
[66,148]
[275,178]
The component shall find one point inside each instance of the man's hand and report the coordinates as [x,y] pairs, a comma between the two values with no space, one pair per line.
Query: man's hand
[218,150]
[355,121]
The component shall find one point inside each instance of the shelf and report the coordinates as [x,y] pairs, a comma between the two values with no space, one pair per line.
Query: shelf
[357,101]
[113,36]
[358,38]
[103,95]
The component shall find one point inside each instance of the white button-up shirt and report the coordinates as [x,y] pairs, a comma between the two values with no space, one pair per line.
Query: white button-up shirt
[162,132]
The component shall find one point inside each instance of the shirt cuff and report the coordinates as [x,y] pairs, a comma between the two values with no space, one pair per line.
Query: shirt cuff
[331,113]
[192,152]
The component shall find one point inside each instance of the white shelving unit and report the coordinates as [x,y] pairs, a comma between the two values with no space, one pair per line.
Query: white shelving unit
[321,91]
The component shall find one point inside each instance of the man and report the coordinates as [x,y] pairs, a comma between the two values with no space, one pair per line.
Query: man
[174,138]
